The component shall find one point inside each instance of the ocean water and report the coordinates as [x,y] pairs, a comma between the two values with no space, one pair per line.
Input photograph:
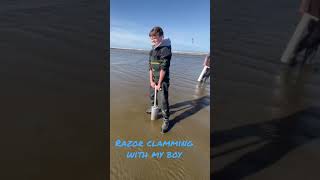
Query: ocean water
[130,67]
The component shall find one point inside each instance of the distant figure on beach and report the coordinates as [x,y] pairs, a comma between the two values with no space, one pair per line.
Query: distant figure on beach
[159,64]
[307,34]
[206,64]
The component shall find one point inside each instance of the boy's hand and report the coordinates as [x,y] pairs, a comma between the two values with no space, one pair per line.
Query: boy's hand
[152,84]
[158,87]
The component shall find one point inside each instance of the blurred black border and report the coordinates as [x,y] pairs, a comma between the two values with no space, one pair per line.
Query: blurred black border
[54,74]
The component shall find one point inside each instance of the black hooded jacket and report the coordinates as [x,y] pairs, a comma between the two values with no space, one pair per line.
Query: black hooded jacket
[159,58]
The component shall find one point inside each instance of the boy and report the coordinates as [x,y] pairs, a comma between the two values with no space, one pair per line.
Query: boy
[159,63]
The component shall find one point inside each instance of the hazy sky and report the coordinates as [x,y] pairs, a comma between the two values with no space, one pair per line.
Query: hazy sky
[181,20]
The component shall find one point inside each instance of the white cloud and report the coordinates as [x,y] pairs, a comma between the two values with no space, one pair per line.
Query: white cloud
[123,38]
[126,35]
[131,35]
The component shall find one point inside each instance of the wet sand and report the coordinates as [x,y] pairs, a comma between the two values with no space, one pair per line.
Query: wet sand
[266,118]
[128,120]
[53,90]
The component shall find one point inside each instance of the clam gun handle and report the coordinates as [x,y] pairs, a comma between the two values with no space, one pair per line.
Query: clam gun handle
[154,109]
[155,97]
[202,73]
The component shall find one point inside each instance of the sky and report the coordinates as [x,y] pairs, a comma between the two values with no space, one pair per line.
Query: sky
[181,21]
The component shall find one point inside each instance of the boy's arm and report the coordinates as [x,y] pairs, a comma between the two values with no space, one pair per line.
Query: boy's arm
[152,84]
[162,73]
[165,57]
[151,75]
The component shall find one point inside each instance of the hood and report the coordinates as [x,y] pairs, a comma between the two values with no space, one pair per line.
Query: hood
[165,42]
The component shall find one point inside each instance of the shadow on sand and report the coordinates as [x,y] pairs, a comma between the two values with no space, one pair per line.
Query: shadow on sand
[189,107]
[278,136]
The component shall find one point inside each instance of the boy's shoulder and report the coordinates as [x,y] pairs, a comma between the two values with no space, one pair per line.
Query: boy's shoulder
[161,49]
[165,50]
[165,45]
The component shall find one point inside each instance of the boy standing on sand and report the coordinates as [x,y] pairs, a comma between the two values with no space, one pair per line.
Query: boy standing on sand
[159,63]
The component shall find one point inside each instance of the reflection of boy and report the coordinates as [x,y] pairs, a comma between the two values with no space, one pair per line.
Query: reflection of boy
[159,63]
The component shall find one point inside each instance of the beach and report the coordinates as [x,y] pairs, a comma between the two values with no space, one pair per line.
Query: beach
[190,108]
[266,121]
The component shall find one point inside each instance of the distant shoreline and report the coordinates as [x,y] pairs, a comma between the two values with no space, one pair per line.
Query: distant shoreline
[175,52]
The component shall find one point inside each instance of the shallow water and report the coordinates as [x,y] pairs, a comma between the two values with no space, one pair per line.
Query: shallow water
[128,120]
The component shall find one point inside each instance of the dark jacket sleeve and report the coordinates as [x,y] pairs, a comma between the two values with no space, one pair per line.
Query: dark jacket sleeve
[165,58]
[150,68]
